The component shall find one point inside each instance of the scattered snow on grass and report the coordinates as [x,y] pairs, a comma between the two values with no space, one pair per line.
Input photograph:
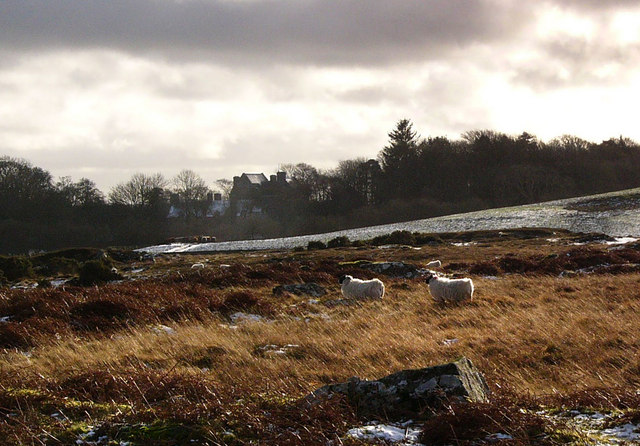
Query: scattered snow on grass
[592,425]
[552,214]
[626,432]
[400,433]
[272,349]
[240,317]
[621,240]
[163,329]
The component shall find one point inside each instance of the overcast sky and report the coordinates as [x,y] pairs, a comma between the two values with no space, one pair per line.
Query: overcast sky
[104,89]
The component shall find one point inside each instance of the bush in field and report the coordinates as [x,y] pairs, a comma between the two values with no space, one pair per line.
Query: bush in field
[316,244]
[16,267]
[424,239]
[339,242]
[395,238]
[96,271]
[58,265]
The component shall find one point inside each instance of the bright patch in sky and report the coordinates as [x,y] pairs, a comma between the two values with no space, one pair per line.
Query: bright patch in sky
[225,87]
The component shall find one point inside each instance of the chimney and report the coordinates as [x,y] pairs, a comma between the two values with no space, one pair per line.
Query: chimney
[282,177]
[272,178]
[209,197]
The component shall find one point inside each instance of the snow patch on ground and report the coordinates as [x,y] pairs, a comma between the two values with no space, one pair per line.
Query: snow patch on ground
[163,329]
[239,317]
[273,349]
[398,433]
[552,214]
[621,240]
[592,425]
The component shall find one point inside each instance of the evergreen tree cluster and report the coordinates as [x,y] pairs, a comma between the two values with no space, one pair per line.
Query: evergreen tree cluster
[412,177]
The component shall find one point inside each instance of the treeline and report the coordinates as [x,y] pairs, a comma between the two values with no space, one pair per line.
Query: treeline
[412,177]
[416,177]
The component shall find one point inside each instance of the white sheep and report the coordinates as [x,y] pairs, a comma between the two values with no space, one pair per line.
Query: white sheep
[361,289]
[443,289]
[434,264]
[197,266]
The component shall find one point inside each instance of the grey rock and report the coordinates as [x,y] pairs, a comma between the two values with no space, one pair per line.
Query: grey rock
[426,387]
[449,381]
[410,393]
[299,289]
[392,269]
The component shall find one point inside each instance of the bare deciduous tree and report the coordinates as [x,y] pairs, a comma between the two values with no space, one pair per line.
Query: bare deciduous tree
[192,192]
[141,190]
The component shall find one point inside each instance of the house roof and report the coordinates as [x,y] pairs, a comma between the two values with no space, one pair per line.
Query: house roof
[255,178]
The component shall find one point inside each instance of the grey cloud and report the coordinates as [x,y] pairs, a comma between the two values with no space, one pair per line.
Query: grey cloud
[256,152]
[295,31]
[308,147]
[574,61]
[109,167]
[594,5]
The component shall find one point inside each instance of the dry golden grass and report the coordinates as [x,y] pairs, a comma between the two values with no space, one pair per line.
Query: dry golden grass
[542,334]
[534,335]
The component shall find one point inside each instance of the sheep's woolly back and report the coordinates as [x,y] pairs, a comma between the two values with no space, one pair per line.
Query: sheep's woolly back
[362,289]
[451,290]
[434,264]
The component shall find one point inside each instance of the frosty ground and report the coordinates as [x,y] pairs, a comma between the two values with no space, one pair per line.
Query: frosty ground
[616,214]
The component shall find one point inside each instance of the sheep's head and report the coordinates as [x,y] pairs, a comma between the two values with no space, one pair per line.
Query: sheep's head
[346,278]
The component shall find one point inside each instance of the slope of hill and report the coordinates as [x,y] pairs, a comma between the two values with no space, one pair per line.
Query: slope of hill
[615,214]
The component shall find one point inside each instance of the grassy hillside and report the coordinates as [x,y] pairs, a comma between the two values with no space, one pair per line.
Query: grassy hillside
[164,357]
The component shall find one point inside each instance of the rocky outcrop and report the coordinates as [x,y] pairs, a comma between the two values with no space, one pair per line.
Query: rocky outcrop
[410,393]
[299,289]
[393,269]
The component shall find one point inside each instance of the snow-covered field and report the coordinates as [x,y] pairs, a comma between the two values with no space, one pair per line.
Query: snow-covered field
[616,218]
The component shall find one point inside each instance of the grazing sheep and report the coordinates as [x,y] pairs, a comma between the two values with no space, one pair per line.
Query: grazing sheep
[361,289]
[197,266]
[434,264]
[450,290]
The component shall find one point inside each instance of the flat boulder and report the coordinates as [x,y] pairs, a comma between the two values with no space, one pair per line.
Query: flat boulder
[410,394]
[299,289]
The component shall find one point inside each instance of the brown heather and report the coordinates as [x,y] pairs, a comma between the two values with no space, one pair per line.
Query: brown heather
[98,356]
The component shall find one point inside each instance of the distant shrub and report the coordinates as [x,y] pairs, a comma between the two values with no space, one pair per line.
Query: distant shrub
[58,265]
[77,254]
[15,267]
[427,239]
[316,244]
[94,272]
[339,242]
[123,255]
[395,238]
